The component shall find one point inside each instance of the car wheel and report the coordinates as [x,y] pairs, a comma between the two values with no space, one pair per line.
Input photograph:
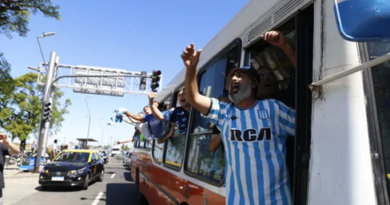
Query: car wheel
[86,182]
[101,177]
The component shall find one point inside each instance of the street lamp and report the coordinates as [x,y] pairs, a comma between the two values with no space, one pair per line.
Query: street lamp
[43,36]
[89,115]
[33,68]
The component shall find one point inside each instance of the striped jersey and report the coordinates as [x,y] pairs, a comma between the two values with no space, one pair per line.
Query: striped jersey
[254,141]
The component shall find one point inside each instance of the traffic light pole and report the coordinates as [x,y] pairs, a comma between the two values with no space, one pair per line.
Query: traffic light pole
[44,126]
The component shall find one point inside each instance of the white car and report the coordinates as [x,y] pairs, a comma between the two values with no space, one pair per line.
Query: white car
[115,151]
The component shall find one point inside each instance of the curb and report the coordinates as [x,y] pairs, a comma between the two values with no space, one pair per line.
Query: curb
[15,176]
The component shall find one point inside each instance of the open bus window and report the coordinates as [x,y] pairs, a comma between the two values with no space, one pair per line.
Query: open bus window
[381,86]
[157,151]
[271,62]
[176,143]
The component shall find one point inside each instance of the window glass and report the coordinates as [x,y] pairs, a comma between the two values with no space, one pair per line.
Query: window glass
[93,157]
[157,151]
[97,156]
[142,144]
[67,156]
[202,162]
[175,150]
[149,144]
[380,75]
[211,85]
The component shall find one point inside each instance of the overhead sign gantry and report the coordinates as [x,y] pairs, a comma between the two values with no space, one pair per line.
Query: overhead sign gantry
[88,80]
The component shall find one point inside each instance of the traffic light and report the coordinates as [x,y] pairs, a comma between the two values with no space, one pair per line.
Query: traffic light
[156,76]
[47,112]
[142,85]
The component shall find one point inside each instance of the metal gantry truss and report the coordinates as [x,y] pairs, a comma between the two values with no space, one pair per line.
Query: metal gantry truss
[102,80]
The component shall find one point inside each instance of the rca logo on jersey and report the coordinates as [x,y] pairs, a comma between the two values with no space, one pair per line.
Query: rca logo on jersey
[250,135]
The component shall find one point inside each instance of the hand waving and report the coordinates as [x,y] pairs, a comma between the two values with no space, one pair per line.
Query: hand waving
[191,57]
[152,96]
[275,38]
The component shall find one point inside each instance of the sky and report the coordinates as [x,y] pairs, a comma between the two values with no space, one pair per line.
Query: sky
[125,34]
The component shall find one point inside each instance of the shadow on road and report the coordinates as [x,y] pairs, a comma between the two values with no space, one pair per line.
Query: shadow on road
[62,189]
[121,193]
[127,176]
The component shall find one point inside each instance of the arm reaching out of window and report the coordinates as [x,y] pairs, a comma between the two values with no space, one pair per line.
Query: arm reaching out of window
[276,38]
[190,59]
[156,112]
[136,117]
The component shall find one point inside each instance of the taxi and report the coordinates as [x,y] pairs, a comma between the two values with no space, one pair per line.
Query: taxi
[73,168]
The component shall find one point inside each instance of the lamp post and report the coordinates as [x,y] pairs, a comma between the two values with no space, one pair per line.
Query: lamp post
[89,116]
[43,36]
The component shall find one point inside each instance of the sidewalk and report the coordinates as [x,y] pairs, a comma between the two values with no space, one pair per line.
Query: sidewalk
[13,171]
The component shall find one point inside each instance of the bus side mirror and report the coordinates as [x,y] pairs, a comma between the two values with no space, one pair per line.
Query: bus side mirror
[363,20]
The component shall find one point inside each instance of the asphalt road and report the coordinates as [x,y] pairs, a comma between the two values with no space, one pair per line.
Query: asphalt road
[117,188]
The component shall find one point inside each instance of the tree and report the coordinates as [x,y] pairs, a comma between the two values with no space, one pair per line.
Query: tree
[6,87]
[15,14]
[27,105]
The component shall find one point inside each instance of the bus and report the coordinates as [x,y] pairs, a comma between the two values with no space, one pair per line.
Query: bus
[341,152]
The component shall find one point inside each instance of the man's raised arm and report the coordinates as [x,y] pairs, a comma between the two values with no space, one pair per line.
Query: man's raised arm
[199,102]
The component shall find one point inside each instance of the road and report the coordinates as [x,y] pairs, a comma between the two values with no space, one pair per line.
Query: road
[117,188]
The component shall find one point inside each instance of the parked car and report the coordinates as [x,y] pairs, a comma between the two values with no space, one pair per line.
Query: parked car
[104,155]
[73,168]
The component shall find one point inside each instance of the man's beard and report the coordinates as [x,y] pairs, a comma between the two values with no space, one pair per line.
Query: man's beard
[243,93]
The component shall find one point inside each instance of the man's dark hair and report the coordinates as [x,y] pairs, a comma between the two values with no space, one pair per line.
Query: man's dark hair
[66,147]
[55,141]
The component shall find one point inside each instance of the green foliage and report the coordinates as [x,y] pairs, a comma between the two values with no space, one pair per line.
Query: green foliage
[6,87]
[26,101]
[15,15]
[125,147]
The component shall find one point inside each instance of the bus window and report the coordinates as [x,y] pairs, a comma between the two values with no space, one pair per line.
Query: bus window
[381,85]
[149,144]
[201,162]
[157,151]
[176,142]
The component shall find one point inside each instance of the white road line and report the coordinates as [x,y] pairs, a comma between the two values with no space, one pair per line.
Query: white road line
[113,175]
[98,197]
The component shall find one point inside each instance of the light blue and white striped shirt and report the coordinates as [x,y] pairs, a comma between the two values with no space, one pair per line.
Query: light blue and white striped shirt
[254,140]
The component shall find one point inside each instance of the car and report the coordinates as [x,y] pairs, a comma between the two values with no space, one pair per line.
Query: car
[74,168]
[104,155]
[115,151]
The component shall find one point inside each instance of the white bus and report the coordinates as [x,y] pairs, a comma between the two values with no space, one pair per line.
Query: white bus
[341,152]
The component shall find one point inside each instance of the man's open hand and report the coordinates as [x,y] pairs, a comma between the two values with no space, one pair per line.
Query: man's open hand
[191,57]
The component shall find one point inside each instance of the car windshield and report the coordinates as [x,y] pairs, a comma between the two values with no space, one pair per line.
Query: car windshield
[115,149]
[72,157]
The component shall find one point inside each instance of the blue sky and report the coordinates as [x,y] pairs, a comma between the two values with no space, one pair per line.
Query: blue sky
[126,34]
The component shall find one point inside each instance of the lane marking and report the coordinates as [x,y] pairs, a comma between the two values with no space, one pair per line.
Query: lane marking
[98,197]
[113,175]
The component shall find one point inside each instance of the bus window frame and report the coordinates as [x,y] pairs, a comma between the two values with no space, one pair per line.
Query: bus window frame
[374,133]
[155,140]
[236,42]
[174,105]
